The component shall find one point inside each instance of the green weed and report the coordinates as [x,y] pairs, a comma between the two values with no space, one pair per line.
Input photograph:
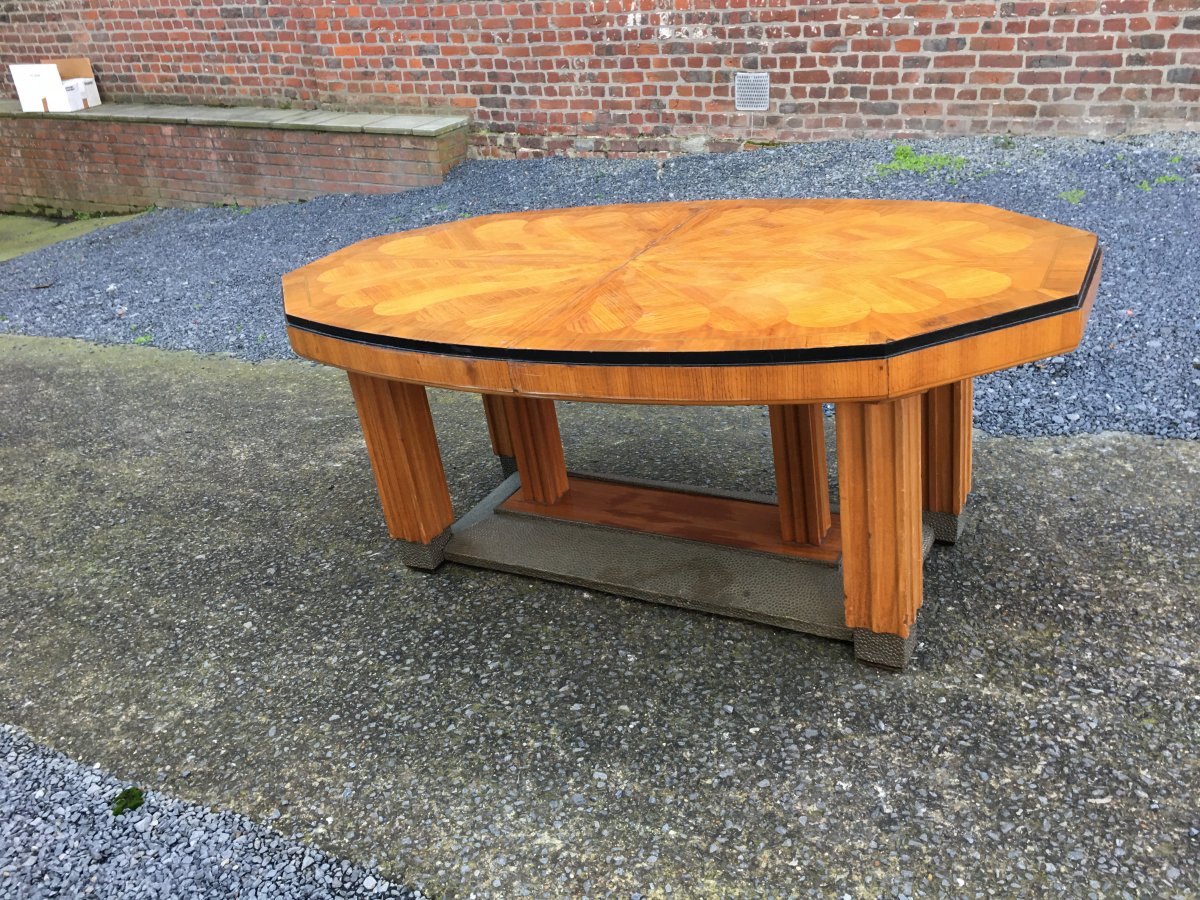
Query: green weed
[1072,196]
[1175,160]
[143,339]
[130,798]
[1147,185]
[905,159]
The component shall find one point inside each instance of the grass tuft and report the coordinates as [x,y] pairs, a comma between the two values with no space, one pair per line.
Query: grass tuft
[905,159]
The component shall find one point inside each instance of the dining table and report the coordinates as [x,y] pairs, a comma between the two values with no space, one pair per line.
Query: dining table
[881,311]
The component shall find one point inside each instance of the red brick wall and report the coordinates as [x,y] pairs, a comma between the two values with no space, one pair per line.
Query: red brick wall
[655,75]
[65,165]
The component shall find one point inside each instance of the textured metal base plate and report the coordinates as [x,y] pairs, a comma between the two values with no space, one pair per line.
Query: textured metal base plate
[888,650]
[947,527]
[790,593]
[425,556]
[797,594]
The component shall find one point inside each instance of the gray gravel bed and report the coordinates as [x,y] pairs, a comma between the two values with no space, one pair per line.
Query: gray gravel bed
[208,279]
[59,838]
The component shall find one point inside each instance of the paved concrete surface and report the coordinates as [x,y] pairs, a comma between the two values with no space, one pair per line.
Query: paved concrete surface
[21,234]
[199,595]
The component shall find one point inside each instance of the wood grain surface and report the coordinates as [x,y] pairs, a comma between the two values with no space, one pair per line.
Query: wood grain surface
[868,304]
[946,421]
[403,448]
[537,446]
[681,514]
[879,475]
[801,474]
[499,430]
[719,276]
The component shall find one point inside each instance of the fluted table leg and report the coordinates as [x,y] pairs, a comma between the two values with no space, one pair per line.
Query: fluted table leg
[403,448]
[946,456]
[499,433]
[801,478]
[533,427]
[879,473]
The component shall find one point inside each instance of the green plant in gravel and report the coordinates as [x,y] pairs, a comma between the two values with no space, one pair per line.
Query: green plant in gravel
[1072,196]
[1175,160]
[143,339]
[130,798]
[1005,142]
[906,159]
[1147,185]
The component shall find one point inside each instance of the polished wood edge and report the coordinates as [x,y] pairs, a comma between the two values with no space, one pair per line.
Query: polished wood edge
[898,376]
[720,358]
[491,376]
[1054,335]
[685,514]
[703,385]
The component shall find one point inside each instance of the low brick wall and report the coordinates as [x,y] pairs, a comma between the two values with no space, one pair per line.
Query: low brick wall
[67,165]
[649,76]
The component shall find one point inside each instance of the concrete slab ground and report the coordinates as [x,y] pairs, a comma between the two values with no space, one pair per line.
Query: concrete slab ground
[22,234]
[199,595]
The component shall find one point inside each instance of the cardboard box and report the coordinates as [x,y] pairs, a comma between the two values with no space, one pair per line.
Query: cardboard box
[62,85]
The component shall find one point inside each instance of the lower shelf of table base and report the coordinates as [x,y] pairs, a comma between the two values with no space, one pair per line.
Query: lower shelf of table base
[784,590]
[671,511]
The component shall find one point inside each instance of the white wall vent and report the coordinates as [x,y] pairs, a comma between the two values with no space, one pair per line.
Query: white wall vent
[752,91]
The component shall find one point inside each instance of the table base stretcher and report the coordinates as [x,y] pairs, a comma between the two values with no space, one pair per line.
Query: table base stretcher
[793,561]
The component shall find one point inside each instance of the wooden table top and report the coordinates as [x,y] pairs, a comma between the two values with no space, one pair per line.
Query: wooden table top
[711,282]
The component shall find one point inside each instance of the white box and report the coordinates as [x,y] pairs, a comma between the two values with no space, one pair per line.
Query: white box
[91,96]
[63,85]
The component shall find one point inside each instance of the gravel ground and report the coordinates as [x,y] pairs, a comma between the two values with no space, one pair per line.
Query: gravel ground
[60,838]
[209,279]
[1075,785]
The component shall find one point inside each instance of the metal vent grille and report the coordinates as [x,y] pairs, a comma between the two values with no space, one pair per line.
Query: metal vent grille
[752,91]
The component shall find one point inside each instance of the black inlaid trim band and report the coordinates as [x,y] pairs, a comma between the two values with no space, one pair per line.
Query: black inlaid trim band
[718,357]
